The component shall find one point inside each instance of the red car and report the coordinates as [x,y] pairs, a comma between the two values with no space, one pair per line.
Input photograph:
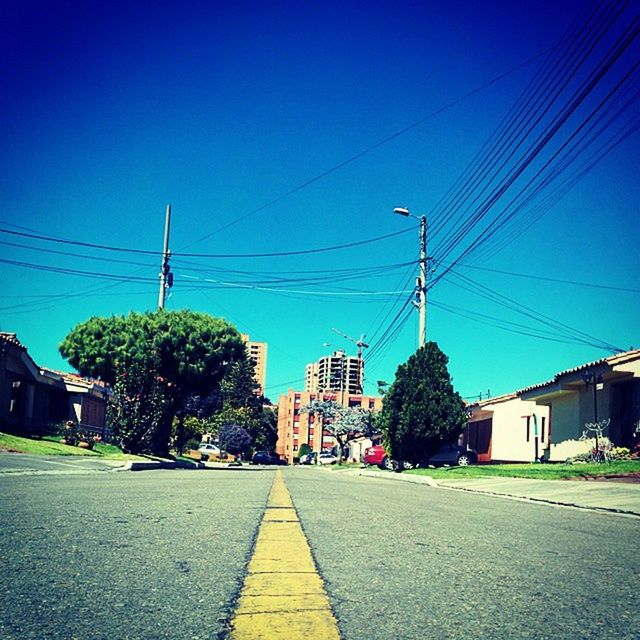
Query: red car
[378,456]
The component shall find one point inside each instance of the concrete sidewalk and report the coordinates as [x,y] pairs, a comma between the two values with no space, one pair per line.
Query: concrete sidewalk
[614,496]
[602,495]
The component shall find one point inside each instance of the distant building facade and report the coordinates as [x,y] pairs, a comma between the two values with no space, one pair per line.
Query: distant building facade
[338,373]
[296,427]
[258,356]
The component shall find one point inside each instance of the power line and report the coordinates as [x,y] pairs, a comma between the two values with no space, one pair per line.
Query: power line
[547,279]
[501,153]
[483,291]
[210,255]
[375,146]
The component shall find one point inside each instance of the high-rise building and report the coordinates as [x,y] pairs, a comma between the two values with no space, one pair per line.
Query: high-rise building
[338,372]
[258,356]
[297,427]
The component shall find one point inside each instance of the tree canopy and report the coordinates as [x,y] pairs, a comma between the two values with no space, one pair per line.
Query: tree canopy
[175,356]
[421,409]
[234,439]
[191,347]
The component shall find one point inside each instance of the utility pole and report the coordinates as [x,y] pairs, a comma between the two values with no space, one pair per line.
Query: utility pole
[422,284]
[166,277]
[421,280]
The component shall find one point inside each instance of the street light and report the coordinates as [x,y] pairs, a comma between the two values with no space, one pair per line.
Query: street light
[421,283]
[588,376]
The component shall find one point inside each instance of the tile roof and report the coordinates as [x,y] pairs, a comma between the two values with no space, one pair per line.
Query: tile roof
[12,339]
[74,378]
[613,360]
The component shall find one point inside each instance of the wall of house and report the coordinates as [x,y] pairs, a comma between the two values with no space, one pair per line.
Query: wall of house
[357,448]
[511,441]
[17,392]
[567,424]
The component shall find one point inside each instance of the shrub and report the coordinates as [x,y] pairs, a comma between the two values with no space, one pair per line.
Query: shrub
[619,453]
[73,434]
[192,443]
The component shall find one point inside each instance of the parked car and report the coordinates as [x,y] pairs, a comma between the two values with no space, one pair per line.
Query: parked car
[447,454]
[378,456]
[452,454]
[327,458]
[209,449]
[308,458]
[266,457]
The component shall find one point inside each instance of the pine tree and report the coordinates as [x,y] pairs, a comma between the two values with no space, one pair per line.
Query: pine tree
[421,410]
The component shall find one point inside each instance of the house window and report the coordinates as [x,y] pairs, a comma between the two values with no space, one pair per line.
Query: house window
[528,418]
[295,447]
[544,426]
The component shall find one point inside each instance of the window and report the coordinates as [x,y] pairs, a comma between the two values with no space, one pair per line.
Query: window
[295,447]
[544,425]
[528,418]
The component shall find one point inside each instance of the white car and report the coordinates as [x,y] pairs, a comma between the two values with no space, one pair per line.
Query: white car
[327,458]
[209,449]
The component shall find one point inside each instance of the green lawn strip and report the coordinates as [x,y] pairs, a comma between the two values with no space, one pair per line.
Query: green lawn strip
[51,446]
[44,447]
[533,471]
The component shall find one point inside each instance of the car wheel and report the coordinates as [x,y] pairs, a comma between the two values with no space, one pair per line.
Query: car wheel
[387,463]
[464,460]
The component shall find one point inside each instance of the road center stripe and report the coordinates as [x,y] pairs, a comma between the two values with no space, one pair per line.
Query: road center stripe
[283,596]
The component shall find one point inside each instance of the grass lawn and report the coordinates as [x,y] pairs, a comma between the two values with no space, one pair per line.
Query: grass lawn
[50,446]
[536,471]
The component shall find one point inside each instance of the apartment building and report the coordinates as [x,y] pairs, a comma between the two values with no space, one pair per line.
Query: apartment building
[338,372]
[258,355]
[296,427]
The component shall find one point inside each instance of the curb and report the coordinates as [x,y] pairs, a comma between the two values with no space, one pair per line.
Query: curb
[428,480]
[399,477]
[134,465]
[547,501]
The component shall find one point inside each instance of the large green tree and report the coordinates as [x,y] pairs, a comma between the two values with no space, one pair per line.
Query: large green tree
[421,409]
[190,350]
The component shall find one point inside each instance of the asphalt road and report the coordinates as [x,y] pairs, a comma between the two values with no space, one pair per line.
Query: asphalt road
[410,561]
[154,554]
[162,554]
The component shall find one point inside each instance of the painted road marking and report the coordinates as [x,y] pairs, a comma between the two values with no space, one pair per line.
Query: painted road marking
[283,596]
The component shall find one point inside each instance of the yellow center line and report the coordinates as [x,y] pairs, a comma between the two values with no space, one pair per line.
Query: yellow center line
[283,596]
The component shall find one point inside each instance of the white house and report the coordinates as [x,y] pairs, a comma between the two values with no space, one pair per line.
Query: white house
[507,429]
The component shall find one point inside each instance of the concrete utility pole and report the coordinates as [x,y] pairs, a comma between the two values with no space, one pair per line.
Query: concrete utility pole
[422,284]
[421,280]
[166,277]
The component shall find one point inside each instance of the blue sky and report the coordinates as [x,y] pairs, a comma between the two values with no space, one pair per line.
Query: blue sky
[112,111]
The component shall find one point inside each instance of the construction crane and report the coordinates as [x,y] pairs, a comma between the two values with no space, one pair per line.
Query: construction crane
[359,343]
